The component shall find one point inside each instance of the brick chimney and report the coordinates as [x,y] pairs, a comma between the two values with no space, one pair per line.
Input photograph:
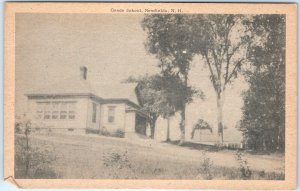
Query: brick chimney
[83,72]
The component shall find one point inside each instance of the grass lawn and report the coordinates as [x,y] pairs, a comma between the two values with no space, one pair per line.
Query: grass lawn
[94,156]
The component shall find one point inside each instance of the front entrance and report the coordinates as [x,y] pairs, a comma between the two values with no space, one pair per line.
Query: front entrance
[140,124]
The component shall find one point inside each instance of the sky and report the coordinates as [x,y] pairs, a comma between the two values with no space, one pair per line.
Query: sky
[52,47]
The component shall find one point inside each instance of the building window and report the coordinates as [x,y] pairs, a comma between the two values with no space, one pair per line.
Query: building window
[94,116]
[56,110]
[71,111]
[40,111]
[55,114]
[47,111]
[71,114]
[39,114]
[111,114]
[63,114]
[47,114]
[63,110]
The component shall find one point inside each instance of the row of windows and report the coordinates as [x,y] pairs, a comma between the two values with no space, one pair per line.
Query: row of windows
[56,110]
[66,110]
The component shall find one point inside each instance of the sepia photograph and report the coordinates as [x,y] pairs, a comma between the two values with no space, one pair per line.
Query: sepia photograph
[152,93]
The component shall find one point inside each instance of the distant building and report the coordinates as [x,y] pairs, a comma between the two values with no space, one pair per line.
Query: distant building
[75,104]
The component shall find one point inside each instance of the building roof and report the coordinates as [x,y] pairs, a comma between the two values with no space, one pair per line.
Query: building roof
[75,86]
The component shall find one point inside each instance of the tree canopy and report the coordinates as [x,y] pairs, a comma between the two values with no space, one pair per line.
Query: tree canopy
[263,121]
[222,41]
[160,95]
[231,46]
[169,38]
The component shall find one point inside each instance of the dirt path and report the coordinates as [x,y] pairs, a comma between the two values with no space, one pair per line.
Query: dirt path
[150,148]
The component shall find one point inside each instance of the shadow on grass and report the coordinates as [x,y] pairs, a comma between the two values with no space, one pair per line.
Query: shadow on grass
[195,146]
[214,148]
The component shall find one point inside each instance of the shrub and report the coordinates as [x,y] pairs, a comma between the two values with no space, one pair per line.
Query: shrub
[116,159]
[243,165]
[206,167]
[18,128]
[92,131]
[234,146]
[117,162]
[119,133]
[33,162]
[104,132]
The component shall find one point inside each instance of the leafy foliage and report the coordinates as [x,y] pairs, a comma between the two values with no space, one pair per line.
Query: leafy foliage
[263,122]
[222,41]
[116,133]
[230,45]
[117,162]
[169,38]
[206,167]
[243,165]
[161,95]
[33,162]
[119,133]
[115,159]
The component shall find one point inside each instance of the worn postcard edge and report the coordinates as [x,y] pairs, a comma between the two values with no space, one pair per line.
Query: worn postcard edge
[205,8]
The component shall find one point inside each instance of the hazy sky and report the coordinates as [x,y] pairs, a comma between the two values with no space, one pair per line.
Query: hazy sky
[52,47]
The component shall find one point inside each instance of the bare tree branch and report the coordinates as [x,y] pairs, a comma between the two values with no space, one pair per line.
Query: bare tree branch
[232,72]
[211,72]
[217,65]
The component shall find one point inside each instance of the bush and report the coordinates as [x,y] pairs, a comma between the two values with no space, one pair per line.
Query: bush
[243,165]
[104,132]
[33,162]
[18,128]
[115,159]
[92,131]
[234,146]
[119,133]
[206,167]
[117,163]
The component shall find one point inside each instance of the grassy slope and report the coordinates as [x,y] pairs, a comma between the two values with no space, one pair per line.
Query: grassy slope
[82,156]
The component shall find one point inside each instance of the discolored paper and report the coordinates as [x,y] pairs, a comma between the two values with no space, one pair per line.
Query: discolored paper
[74,89]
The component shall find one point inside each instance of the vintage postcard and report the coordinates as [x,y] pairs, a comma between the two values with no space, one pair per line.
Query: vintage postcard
[150,95]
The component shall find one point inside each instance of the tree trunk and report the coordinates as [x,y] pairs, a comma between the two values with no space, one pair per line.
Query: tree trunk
[182,126]
[27,156]
[152,129]
[182,123]
[264,143]
[220,118]
[168,130]
[152,122]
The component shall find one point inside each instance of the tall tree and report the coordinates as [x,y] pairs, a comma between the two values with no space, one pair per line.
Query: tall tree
[169,39]
[263,122]
[222,42]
